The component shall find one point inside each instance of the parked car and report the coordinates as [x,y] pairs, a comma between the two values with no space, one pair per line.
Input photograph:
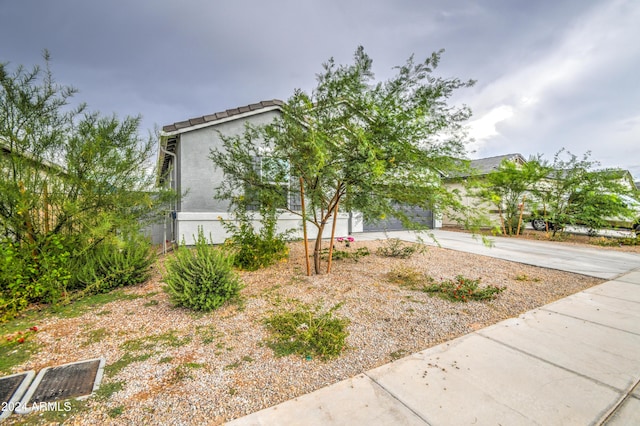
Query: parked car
[539,223]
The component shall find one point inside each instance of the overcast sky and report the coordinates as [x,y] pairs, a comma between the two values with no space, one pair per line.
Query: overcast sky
[550,73]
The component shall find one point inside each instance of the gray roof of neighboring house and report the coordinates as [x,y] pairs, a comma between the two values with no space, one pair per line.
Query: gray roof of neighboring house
[212,118]
[482,166]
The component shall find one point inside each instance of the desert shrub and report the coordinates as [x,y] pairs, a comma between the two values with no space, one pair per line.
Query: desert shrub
[201,278]
[254,250]
[394,247]
[344,254]
[463,289]
[409,278]
[307,332]
[115,264]
[37,272]
[616,242]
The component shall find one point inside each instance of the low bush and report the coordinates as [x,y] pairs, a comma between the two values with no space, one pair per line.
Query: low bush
[344,254]
[307,332]
[201,278]
[115,264]
[254,250]
[409,278]
[394,247]
[38,272]
[616,242]
[463,289]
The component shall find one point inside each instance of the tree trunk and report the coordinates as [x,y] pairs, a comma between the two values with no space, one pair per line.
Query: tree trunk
[317,251]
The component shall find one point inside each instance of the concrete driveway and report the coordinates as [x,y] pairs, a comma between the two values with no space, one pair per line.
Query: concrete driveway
[595,262]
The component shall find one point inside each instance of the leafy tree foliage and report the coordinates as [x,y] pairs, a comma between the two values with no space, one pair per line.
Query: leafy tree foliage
[507,187]
[70,178]
[576,193]
[563,192]
[357,144]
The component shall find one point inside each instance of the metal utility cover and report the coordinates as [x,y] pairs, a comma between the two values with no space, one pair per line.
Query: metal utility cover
[11,390]
[74,380]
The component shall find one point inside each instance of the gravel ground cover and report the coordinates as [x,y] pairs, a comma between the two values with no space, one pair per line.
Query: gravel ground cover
[168,365]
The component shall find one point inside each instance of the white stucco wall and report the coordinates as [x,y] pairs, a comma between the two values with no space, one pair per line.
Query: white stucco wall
[197,175]
[197,179]
[188,224]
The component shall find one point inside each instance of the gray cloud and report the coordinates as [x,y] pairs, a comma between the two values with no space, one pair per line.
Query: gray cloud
[550,73]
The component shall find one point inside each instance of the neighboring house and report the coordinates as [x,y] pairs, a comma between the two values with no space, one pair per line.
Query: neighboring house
[483,166]
[478,168]
[185,165]
[39,218]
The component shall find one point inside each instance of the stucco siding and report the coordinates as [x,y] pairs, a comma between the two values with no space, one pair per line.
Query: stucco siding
[197,175]
[211,224]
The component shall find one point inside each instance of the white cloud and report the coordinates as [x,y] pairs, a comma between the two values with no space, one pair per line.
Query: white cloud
[485,127]
[558,94]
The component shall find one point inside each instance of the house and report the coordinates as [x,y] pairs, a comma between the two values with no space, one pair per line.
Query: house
[478,168]
[184,165]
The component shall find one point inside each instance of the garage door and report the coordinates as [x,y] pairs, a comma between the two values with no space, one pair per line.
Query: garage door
[422,216]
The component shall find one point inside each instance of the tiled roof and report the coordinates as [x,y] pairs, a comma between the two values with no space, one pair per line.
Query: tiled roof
[483,166]
[211,118]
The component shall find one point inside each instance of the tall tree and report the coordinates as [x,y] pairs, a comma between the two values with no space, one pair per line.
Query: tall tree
[358,145]
[69,179]
[575,192]
[507,187]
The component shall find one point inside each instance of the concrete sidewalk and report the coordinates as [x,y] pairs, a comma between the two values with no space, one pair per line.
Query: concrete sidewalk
[572,362]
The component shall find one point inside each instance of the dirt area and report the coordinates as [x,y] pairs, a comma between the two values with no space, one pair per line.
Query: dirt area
[168,365]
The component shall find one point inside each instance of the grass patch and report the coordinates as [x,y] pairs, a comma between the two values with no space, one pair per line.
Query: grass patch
[116,411]
[81,306]
[70,407]
[183,371]
[307,332]
[208,334]
[95,336]
[151,342]
[106,390]
[152,302]
[13,353]
[232,366]
[113,369]
[400,353]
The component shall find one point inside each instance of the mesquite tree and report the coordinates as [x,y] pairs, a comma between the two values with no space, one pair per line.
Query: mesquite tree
[576,192]
[508,186]
[357,144]
[69,180]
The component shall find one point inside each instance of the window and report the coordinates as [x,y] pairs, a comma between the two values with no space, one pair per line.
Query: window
[274,172]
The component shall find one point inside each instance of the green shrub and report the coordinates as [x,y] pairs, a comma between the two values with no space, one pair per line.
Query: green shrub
[409,278]
[394,247]
[254,250]
[201,278]
[37,272]
[616,242]
[463,289]
[307,332]
[343,254]
[112,265]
